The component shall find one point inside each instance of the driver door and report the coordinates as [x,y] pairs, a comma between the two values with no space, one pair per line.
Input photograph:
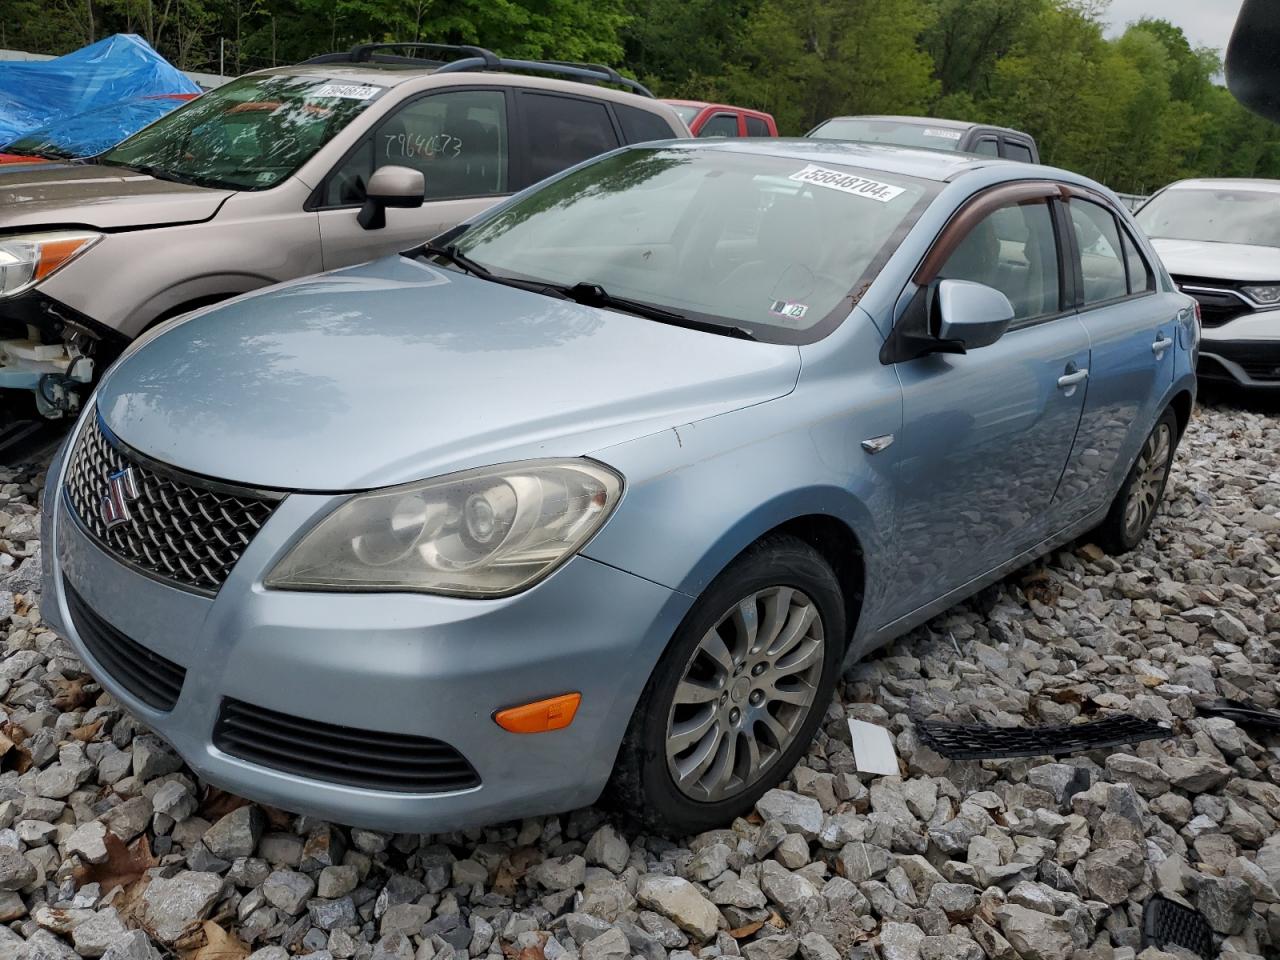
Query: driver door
[986,434]
[459,138]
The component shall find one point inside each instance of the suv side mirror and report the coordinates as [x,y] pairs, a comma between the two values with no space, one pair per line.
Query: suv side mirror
[390,187]
[971,315]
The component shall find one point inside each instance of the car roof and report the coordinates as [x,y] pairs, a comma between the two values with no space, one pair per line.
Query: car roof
[927,122]
[1205,183]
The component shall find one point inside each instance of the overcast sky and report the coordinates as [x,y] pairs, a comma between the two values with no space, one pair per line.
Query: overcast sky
[1207,23]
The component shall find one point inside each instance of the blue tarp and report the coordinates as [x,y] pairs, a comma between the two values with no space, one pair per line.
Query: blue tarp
[95,131]
[122,67]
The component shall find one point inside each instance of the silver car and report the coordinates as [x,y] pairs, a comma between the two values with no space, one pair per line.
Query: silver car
[276,175]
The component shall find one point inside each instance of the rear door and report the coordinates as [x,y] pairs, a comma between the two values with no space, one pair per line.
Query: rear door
[1132,326]
[986,434]
[459,138]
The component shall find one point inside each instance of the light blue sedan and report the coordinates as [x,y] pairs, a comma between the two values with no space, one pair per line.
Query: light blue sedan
[600,491]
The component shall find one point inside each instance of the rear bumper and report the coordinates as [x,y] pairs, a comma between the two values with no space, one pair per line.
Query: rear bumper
[387,665]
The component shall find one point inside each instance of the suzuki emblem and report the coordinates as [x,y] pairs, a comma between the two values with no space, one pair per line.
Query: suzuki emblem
[121,488]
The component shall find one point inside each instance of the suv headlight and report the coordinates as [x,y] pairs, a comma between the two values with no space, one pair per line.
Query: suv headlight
[1268,294]
[483,533]
[27,259]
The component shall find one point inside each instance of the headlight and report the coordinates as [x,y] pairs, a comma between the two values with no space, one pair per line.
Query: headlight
[483,533]
[1268,295]
[26,260]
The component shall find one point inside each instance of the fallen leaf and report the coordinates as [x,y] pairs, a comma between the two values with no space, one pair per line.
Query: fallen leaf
[88,731]
[216,803]
[16,735]
[513,867]
[211,942]
[71,694]
[741,933]
[532,952]
[124,865]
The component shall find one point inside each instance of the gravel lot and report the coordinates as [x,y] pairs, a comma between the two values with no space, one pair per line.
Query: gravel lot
[109,847]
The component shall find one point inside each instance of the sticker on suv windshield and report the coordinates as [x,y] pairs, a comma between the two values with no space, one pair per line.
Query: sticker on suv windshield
[943,134]
[346,91]
[788,309]
[847,183]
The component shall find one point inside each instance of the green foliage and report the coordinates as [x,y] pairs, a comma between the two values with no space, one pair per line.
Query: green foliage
[1135,112]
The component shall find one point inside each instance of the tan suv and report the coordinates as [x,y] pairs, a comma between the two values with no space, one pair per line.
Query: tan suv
[277,175]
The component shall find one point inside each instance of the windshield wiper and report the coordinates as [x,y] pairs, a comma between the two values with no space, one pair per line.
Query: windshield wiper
[594,295]
[455,256]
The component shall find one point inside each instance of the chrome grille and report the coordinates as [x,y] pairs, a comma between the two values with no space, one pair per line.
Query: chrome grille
[186,530]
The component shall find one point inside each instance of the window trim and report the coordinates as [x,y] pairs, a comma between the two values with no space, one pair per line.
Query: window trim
[315,200]
[521,143]
[1092,196]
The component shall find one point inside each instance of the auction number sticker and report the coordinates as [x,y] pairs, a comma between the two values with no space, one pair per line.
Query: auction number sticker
[847,183]
[346,91]
[942,134]
[788,309]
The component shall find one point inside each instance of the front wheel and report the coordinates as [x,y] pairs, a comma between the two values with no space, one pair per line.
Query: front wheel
[1139,498]
[738,694]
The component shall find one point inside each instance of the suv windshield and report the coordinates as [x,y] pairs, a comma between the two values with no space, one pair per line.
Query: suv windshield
[250,134]
[772,245]
[903,133]
[1218,215]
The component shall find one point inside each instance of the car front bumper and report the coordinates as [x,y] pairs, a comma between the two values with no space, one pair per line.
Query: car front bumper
[1244,351]
[398,664]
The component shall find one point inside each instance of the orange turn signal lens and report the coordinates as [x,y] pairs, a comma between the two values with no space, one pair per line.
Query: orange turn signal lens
[554,713]
[55,253]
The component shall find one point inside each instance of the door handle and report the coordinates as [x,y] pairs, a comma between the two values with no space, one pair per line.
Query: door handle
[1161,345]
[1068,380]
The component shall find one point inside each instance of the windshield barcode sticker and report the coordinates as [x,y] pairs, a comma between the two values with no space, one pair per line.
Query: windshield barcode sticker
[847,183]
[943,134]
[346,91]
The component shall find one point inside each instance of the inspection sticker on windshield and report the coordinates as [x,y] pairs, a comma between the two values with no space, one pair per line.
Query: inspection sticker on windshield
[943,134]
[792,311]
[346,91]
[847,183]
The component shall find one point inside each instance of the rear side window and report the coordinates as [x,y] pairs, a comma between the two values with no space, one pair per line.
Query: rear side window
[1017,151]
[563,131]
[1101,255]
[1012,249]
[641,126]
[757,127]
[987,147]
[720,125]
[1141,279]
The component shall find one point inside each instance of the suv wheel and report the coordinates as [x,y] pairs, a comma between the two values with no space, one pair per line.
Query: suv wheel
[738,694]
[1139,498]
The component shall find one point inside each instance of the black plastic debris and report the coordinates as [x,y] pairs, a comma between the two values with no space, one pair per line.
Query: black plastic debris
[1245,714]
[978,741]
[1166,923]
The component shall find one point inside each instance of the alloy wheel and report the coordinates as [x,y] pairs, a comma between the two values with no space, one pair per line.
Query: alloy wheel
[1149,480]
[744,693]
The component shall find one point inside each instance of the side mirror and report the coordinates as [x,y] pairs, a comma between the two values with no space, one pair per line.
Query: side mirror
[971,315]
[390,187]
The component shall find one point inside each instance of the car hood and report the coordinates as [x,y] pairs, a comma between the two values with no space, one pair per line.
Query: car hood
[398,370]
[41,194]
[1206,260]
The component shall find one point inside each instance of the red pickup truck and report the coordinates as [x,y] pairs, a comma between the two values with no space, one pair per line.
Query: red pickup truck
[721,120]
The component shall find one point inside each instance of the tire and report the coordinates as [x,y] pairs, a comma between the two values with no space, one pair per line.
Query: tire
[776,571]
[1138,501]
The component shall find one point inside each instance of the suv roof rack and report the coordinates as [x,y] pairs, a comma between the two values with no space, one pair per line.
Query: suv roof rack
[478,58]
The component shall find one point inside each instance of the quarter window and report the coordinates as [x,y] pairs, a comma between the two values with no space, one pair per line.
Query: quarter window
[641,126]
[1013,250]
[457,139]
[563,131]
[1141,279]
[721,125]
[757,127]
[1102,264]
[1017,151]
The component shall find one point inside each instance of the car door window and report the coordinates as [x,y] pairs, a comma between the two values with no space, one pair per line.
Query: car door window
[720,125]
[1013,249]
[1141,279]
[641,126]
[563,131]
[458,139]
[1013,150]
[1102,264]
[986,147]
[757,127]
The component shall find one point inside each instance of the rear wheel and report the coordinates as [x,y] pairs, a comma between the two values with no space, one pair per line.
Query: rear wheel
[1139,498]
[738,694]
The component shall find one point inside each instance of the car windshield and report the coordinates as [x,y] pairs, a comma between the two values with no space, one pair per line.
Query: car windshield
[250,134]
[89,133]
[770,245]
[904,133]
[1230,215]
